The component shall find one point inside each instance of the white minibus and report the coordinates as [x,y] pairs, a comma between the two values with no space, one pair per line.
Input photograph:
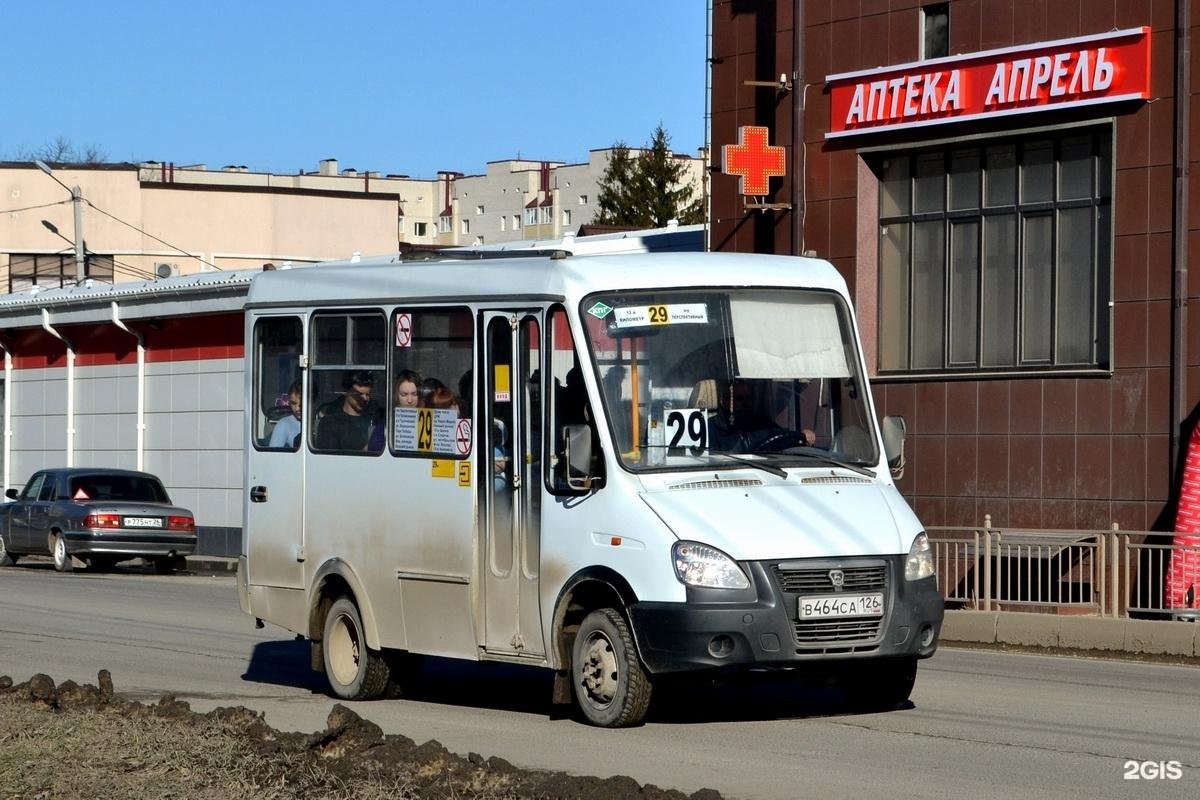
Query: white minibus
[617,467]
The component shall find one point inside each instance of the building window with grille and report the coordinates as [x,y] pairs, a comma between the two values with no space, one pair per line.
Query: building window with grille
[56,271]
[995,256]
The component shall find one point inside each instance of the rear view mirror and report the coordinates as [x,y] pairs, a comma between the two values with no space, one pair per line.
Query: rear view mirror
[894,429]
[11,494]
[578,439]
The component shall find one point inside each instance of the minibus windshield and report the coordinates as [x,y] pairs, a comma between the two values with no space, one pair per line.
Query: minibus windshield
[716,378]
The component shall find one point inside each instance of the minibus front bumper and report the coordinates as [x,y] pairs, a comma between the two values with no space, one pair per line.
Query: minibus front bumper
[762,625]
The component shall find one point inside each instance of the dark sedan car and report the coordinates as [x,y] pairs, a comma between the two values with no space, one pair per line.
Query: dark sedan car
[100,516]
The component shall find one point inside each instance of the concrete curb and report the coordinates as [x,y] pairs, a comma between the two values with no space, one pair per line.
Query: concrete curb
[211,564]
[1158,637]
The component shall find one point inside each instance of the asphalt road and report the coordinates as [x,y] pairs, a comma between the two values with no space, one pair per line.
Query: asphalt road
[981,725]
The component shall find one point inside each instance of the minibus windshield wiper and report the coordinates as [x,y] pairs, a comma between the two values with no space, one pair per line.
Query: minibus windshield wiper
[750,462]
[817,455]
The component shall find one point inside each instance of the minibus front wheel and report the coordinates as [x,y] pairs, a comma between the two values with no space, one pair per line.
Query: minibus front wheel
[355,672]
[612,689]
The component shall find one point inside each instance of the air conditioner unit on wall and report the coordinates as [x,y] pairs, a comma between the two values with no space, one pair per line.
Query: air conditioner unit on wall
[166,270]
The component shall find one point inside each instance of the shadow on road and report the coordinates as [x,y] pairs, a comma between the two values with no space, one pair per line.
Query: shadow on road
[527,690]
[283,663]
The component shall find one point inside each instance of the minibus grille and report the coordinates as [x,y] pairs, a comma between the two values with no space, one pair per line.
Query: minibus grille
[817,581]
[810,632]
[827,633]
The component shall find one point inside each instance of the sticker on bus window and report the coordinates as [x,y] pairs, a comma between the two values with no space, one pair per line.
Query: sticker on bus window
[425,430]
[404,330]
[686,427]
[600,310]
[662,314]
[501,384]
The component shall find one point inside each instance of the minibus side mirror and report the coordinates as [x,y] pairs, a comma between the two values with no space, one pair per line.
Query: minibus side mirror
[11,494]
[894,429]
[578,440]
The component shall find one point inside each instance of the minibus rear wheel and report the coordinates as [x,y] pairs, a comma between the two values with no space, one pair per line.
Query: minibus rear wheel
[612,689]
[355,672]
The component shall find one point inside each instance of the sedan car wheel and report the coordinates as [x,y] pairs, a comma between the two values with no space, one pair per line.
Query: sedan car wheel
[7,559]
[62,559]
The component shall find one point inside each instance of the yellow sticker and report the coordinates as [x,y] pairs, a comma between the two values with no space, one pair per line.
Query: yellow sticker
[464,473]
[425,429]
[501,384]
[442,468]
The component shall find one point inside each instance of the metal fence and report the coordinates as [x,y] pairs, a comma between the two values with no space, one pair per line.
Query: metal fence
[1109,573]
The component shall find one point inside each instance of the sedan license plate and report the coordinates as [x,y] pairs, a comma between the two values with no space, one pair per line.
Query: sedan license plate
[143,522]
[841,605]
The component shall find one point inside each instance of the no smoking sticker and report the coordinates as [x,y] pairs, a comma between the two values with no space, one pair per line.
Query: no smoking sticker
[462,437]
[404,330]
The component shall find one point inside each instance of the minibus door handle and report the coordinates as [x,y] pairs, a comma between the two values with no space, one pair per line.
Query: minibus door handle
[258,494]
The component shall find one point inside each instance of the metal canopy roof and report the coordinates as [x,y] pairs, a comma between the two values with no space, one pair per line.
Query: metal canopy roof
[201,293]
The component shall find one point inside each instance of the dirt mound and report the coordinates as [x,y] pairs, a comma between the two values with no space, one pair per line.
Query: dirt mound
[69,740]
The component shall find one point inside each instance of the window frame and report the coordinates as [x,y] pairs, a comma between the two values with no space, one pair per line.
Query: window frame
[314,366]
[256,387]
[389,404]
[1102,134]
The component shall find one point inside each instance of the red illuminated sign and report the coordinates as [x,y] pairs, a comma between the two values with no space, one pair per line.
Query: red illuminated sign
[1085,70]
[753,160]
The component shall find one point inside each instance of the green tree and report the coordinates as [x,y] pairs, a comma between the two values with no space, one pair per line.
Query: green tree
[648,189]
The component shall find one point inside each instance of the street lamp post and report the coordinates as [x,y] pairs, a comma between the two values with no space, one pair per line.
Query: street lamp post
[77,202]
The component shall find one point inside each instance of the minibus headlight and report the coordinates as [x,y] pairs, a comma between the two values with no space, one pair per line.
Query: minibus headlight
[920,559]
[700,565]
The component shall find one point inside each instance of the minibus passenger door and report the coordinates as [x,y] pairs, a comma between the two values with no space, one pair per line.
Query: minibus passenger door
[510,429]
[274,536]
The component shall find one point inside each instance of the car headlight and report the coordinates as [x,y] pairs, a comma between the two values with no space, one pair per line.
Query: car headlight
[920,559]
[700,565]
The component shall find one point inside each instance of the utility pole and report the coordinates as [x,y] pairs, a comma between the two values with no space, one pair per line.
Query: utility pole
[77,202]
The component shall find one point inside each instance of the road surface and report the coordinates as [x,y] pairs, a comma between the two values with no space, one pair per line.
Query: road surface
[982,724]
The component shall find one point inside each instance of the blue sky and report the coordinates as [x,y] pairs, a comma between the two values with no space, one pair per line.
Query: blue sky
[399,87]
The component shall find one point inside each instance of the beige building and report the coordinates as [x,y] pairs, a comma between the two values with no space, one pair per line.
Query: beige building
[161,219]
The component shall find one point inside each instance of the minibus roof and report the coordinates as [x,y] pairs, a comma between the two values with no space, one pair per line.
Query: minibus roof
[563,277]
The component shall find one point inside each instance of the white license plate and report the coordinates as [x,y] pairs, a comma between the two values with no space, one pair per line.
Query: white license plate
[841,605]
[143,522]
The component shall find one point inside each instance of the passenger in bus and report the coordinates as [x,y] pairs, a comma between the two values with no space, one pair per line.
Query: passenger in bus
[408,389]
[428,387]
[444,398]
[466,393]
[499,456]
[406,393]
[348,424]
[286,434]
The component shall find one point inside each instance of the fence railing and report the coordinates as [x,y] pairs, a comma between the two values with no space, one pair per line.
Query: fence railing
[1109,573]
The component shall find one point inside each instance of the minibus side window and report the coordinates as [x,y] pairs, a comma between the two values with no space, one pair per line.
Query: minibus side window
[277,385]
[567,401]
[347,383]
[432,382]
